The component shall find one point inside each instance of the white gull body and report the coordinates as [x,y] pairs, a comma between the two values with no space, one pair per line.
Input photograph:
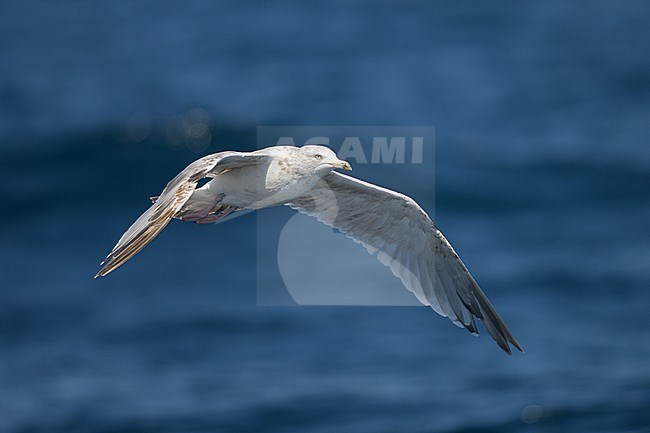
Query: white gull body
[388,224]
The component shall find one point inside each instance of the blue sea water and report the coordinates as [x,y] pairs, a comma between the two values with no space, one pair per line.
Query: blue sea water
[541,183]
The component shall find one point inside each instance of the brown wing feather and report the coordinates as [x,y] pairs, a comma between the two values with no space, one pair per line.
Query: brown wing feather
[150,228]
[169,203]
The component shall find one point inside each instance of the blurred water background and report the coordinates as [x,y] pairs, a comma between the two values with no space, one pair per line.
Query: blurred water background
[542,125]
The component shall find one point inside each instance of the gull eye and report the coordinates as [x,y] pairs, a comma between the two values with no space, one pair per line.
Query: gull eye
[318,156]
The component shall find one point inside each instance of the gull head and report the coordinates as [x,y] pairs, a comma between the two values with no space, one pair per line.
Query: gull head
[321,159]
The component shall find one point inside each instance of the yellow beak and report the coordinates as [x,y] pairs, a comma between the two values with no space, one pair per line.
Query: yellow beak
[346,166]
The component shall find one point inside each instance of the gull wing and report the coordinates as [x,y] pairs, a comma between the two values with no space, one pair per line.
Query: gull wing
[395,228]
[170,201]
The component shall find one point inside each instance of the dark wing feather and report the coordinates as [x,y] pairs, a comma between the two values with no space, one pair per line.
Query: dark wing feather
[395,228]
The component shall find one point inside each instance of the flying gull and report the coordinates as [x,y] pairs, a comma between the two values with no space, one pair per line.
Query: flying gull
[388,224]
